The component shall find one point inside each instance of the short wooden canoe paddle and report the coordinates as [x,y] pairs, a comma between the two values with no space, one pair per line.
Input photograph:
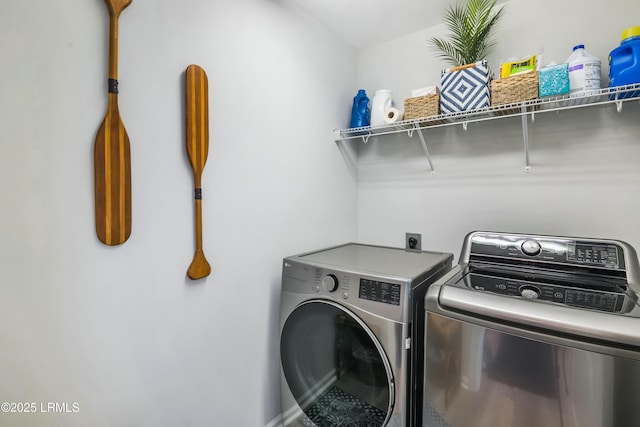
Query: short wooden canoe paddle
[111,153]
[197,115]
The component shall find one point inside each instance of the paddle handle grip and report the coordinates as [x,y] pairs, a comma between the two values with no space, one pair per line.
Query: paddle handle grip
[113,46]
[198,202]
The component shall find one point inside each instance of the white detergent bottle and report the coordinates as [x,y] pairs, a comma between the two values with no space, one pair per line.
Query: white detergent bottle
[382,101]
[584,72]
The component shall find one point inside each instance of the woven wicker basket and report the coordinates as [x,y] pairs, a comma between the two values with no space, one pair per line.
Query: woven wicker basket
[521,87]
[421,107]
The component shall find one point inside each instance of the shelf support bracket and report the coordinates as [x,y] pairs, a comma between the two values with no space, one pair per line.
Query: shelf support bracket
[525,137]
[425,148]
[618,104]
[365,138]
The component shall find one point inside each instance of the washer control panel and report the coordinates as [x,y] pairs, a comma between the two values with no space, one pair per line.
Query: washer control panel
[588,253]
[573,296]
[579,272]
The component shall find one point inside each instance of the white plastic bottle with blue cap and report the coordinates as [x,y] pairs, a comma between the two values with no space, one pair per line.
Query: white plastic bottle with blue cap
[584,72]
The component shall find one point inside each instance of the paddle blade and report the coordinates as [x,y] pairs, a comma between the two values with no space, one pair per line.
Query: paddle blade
[112,169]
[197,115]
[199,267]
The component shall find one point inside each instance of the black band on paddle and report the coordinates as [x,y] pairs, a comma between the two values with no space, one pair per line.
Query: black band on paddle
[198,193]
[113,86]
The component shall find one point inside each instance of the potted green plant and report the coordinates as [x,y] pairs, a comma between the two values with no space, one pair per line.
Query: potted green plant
[472,27]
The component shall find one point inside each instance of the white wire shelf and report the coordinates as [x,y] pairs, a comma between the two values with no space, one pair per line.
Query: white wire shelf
[615,95]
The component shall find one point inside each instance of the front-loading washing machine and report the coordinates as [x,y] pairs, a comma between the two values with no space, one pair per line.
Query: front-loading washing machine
[351,331]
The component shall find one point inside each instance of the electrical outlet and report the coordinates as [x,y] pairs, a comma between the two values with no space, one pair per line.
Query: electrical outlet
[413,241]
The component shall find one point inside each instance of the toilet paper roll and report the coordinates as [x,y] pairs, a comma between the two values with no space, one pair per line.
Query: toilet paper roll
[392,115]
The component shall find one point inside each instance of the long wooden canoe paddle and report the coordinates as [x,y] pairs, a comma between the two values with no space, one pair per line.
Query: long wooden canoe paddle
[197,115]
[111,153]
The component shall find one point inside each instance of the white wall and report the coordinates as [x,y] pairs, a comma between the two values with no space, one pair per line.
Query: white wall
[121,330]
[585,163]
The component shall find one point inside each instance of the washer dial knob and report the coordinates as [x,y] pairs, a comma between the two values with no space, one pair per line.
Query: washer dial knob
[330,283]
[529,292]
[531,247]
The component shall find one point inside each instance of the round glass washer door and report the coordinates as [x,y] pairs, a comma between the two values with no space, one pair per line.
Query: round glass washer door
[335,367]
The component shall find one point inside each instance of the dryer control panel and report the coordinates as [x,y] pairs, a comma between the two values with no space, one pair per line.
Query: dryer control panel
[345,285]
[374,290]
[384,296]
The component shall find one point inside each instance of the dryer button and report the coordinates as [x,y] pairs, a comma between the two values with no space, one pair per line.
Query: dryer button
[345,295]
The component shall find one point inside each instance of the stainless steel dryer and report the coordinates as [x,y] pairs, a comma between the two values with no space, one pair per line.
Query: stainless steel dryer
[351,335]
[532,331]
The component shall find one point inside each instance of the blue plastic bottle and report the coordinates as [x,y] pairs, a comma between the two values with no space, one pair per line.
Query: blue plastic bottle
[360,112]
[624,61]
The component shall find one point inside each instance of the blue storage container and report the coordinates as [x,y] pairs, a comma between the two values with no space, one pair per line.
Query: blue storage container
[360,112]
[624,61]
